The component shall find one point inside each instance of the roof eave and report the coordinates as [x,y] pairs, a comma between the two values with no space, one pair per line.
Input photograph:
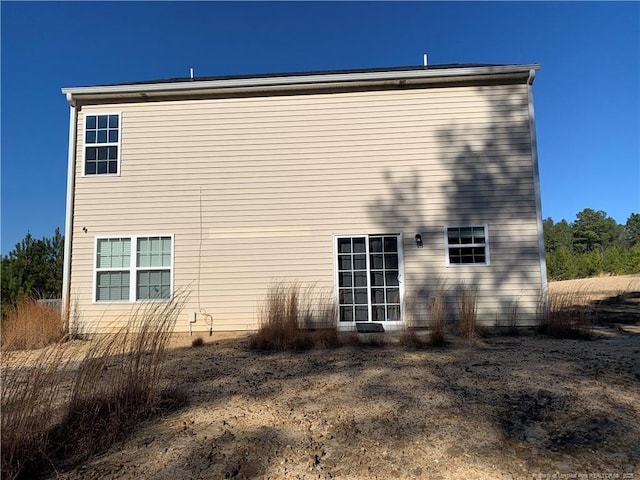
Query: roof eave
[247,85]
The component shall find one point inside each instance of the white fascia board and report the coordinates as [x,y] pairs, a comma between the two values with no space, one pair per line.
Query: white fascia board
[302,82]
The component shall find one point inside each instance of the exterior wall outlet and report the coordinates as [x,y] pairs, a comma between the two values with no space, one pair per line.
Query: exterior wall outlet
[192,317]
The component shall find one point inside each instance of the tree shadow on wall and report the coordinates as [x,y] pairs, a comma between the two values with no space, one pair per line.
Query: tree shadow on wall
[484,174]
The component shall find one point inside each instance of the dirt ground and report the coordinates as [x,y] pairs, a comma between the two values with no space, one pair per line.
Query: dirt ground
[500,407]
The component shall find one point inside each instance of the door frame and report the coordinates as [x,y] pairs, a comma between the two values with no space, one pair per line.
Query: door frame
[350,326]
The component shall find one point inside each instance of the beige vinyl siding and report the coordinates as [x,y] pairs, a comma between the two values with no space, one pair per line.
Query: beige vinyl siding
[254,190]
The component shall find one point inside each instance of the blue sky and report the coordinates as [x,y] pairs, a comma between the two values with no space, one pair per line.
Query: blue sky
[587,93]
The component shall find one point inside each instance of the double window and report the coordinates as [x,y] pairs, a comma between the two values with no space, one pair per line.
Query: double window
[369,273]
[467,245]
[133,268]
[102,144]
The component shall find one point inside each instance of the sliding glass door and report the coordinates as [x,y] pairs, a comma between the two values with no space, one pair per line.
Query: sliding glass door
[369,278]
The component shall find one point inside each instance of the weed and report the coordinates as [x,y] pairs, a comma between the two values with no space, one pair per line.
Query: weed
[197,342]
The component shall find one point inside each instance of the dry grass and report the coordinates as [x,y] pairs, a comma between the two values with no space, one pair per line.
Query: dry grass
[508,323]
[30,395]
[29,324]
[434,307]
[289,316]
[565,314]
[409,331]
[326,337]
[438,315]
[409,337]
[115,386]
[467,303]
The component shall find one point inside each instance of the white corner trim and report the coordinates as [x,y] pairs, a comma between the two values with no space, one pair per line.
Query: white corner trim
[68,223]
[536,188]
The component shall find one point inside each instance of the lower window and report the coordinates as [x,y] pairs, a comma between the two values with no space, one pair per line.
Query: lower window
[467,245]
[141,273]
[369,272]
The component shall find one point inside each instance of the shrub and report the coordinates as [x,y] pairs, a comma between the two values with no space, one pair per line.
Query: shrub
[197,342]
[30,324]
[565,315]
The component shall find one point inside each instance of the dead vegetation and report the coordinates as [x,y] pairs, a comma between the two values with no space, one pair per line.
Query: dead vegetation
[566,315]
[30,324]
[498,406]
[55,413]
[294,317]
[437,313]
[467,310]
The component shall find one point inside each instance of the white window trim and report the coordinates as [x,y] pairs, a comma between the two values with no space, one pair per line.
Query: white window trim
[110,144]
[485,245]
[132,269]
[351,326]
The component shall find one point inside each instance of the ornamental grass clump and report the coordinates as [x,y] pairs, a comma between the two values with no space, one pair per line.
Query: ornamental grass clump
[566,315]
[438,315]
[56,413]
[467,308]
[293,317]
[30,401]
[30,324]
[117,384]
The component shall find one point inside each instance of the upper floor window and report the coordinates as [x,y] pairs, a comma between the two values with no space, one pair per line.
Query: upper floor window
[102,142]
[467,245]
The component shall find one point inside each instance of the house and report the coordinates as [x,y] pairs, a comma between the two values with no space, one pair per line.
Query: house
[382,185]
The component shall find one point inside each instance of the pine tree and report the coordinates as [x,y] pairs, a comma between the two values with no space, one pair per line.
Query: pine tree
[33,268]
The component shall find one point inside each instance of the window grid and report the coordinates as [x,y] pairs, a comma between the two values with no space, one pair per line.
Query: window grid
[153,259]
[352,279]
[368,269]
[126,275]
[467,245]
[113,259]
[385,287]
[102,140]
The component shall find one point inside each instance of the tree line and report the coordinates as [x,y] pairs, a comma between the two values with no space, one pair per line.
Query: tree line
[592,244]
[33,268]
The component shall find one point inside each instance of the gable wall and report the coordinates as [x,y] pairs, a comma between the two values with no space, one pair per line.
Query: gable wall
[255,188]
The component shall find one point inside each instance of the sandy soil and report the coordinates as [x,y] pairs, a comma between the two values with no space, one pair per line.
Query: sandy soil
[521,407]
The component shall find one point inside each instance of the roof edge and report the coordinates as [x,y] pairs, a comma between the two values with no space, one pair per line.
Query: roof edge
[299,81]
